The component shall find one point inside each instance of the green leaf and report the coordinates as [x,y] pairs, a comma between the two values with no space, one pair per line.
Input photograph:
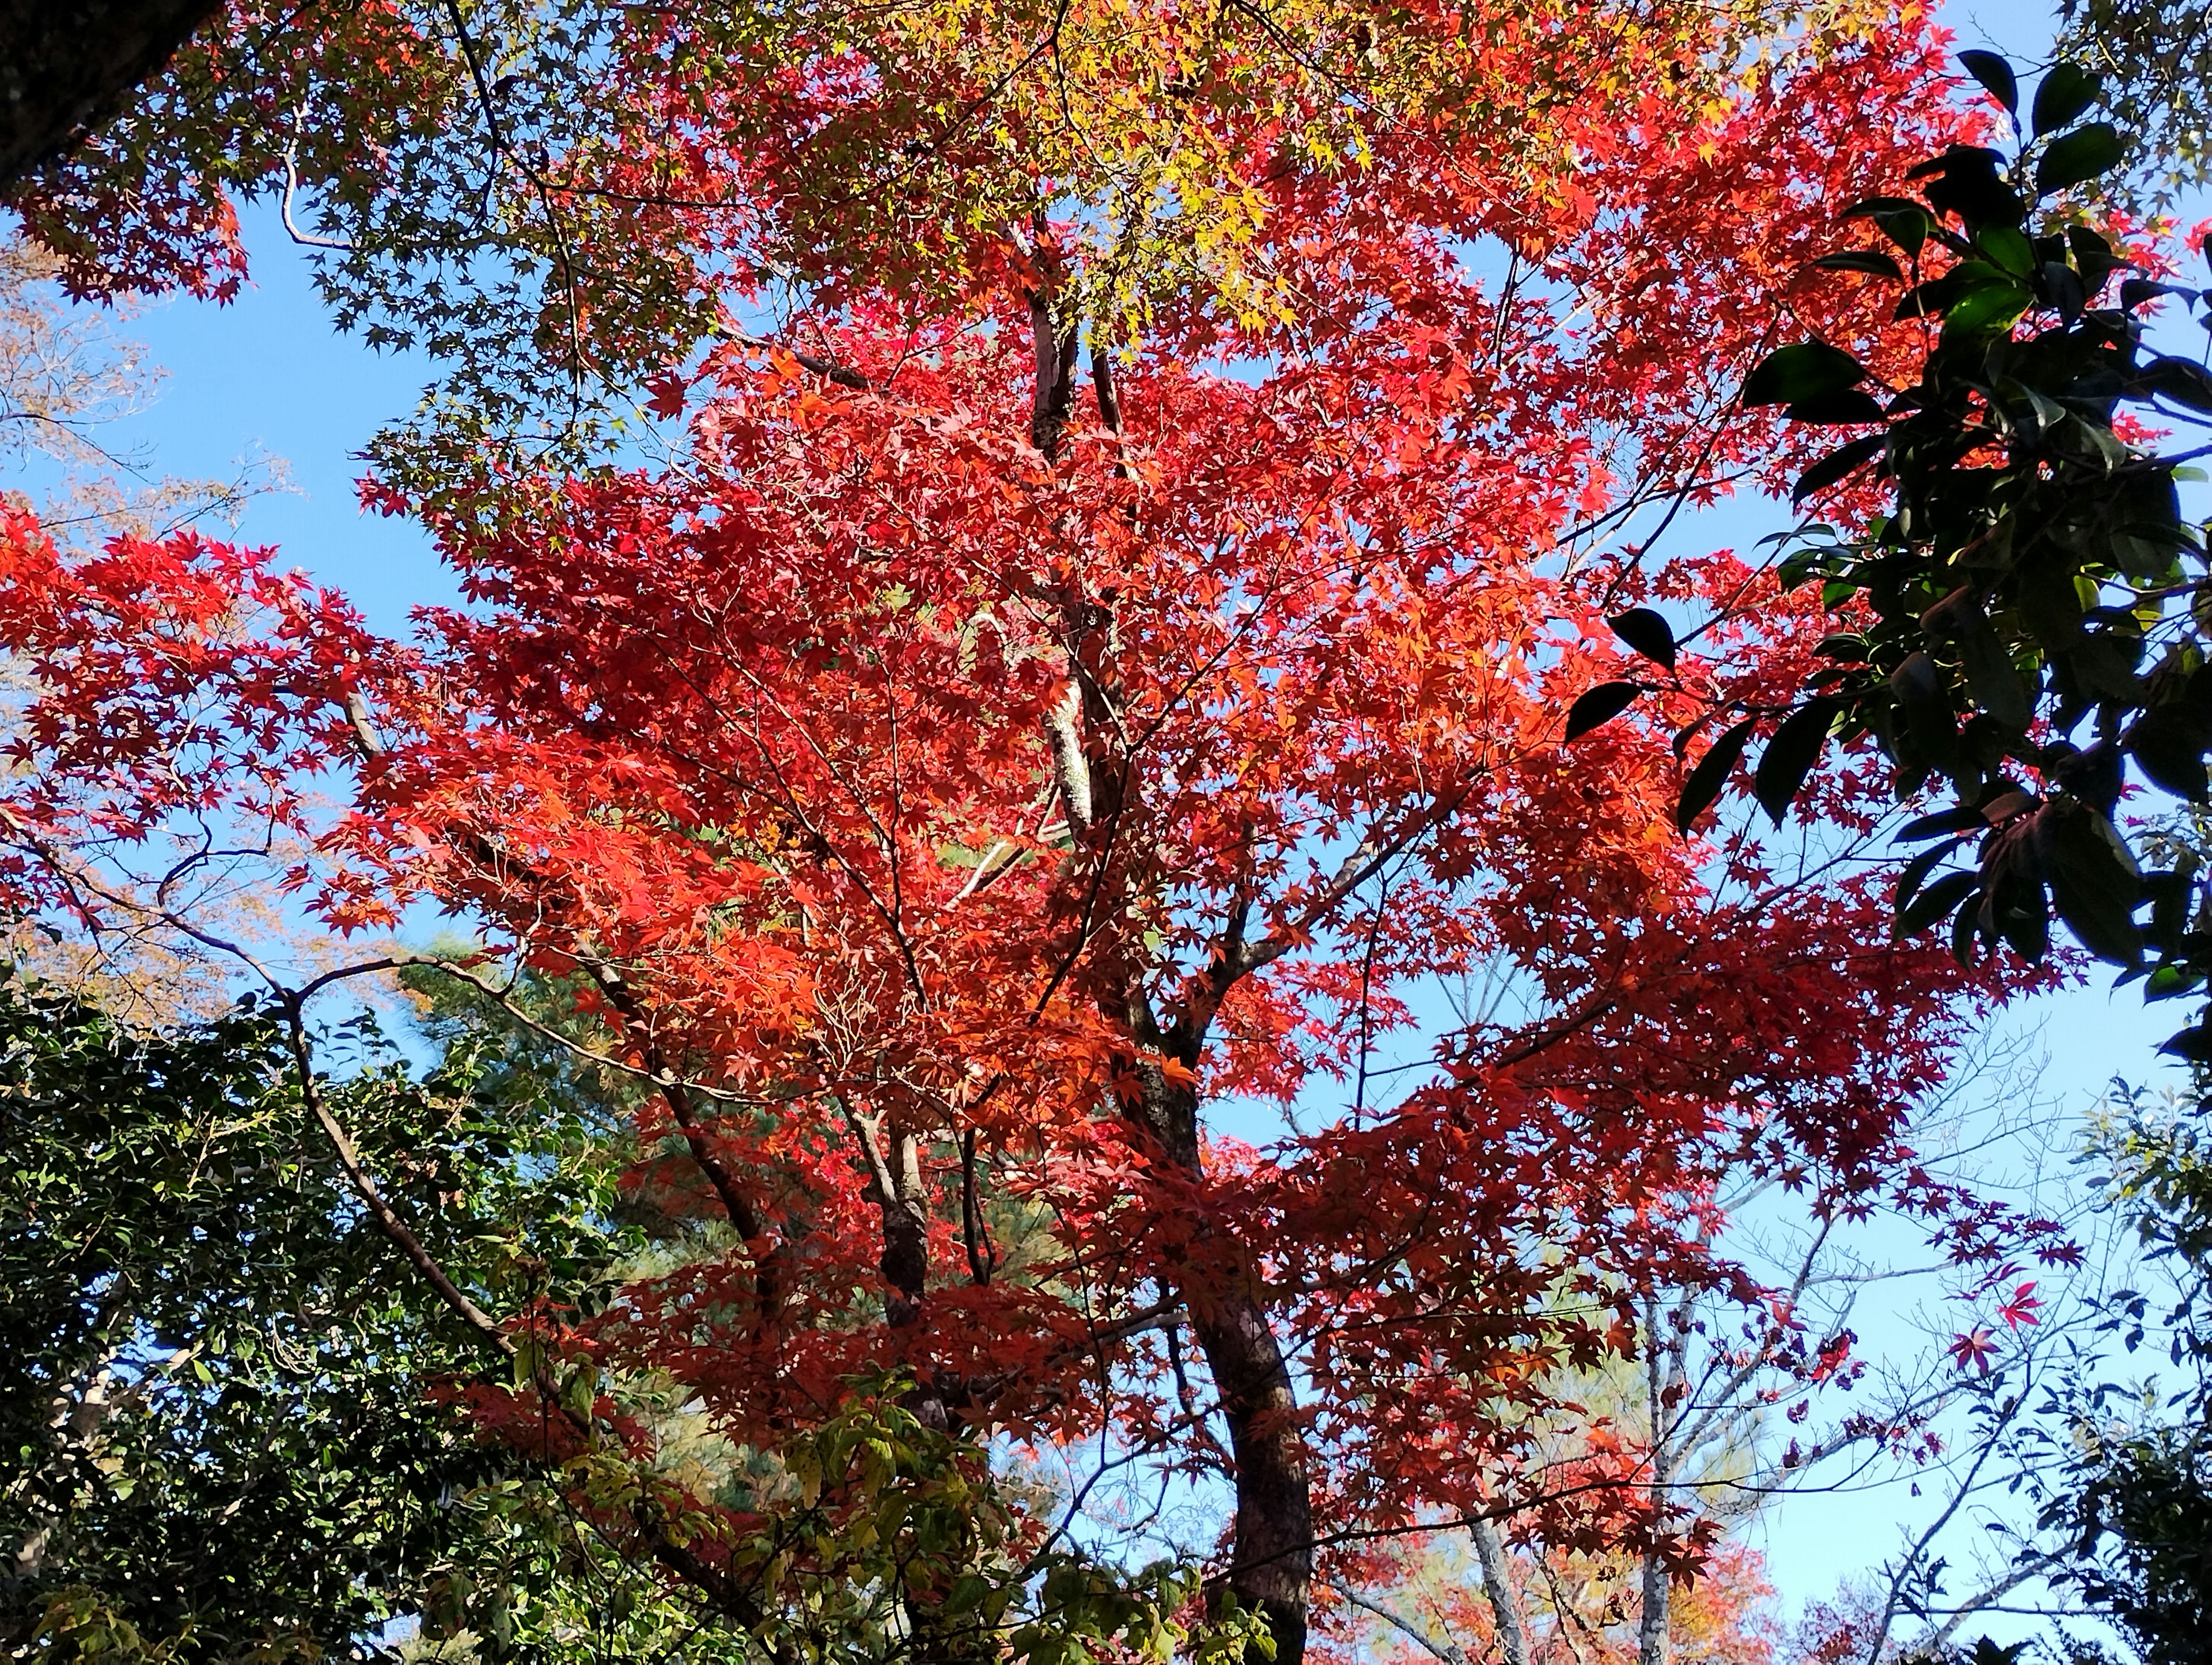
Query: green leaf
[1845,407]
[2094,884]
[2066,92]
[2169,981]
[1917,870]
[1601,705]
[2007,247]
[2080,156]
[1960,817]
[1710,774]
[1803,370]
[1838,465]
[1647,633]
[1906,223]
[1995,76]
[1987,308]
[1934,903]
[1791,756]
[1866,261]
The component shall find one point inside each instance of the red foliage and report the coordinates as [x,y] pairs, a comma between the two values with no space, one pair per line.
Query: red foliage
[948,825]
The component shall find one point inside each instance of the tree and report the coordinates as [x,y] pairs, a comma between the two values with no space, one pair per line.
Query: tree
[2031,568]
[563,200]
[64,68]
[949,787]
[220,1433]
[2156,59]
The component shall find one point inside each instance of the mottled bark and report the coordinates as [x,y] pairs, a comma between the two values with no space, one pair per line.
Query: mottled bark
[1497,1587]
[68,65]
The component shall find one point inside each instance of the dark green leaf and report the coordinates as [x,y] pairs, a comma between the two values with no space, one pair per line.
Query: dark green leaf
[1803,370]
[2080,156]
[1601,705]
[2181,380]
[2094,884]
[2192,1046]
[1995,75]
[1917,870]
[1962,817]
[1987,308]
[2066,92]
[1647,633]
[1710,774]
[1967,181]
[1935,903]
[1841,407]
[1866,261]
[1904,221]
[1791,756]
[2168,743]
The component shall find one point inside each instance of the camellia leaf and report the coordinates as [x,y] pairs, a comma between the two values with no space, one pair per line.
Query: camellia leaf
[1647,633]
[1804,370]
[2066,92]
[2192,1046]
[1961,818]
[1791,756]
[1987,308]
[1917,870]
[1866,261]
[1843,408]
[2080,156]
[1601,705]
[1838,465]
[1710,774]
[1995,76]
[1935,903]
[1906,223]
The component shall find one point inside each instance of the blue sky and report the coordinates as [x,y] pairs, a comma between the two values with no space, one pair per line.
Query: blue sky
[268,374]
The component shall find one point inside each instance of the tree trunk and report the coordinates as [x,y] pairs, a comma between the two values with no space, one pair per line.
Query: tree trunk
[68,65]
[1271,1565]
[1498,1586]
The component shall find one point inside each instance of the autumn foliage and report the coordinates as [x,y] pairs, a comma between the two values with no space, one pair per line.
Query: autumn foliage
[1089,670]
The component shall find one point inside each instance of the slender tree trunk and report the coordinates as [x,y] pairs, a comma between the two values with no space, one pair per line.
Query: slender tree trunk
[67,65]
[1271,1565]
[1497,1587]
[1652,1631]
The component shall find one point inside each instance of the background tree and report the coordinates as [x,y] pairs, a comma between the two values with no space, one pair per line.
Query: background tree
[222,1432]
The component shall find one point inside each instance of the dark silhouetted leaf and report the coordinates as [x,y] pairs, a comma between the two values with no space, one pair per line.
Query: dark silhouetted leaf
[1600,705]
[2079,156]
[1935,903]
[1866,260]
[1904,221]
[1647,633]
[2192,1046]
[1847,405]
[1995,76]
[2066,92]
[1917,870]
[1710,774]
[2094,884]
[1791,756]
[1803,370]
[1961,818]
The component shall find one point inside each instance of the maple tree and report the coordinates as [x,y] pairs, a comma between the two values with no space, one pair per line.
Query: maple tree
[1094,665]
